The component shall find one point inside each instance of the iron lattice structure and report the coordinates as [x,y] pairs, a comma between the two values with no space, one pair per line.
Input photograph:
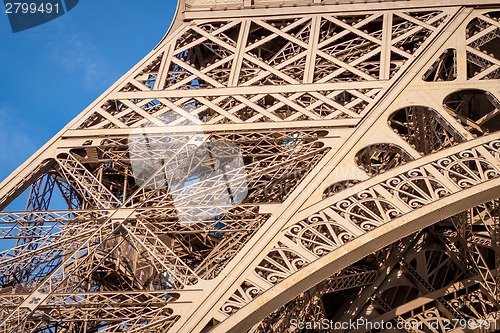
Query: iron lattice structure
[369,142]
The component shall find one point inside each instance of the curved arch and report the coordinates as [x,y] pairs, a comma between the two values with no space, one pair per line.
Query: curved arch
[350,252]
[380,157]
[423,128]
[406,222]
[176,21]
[339,186]
[444,68]
[30,173]
[478,110]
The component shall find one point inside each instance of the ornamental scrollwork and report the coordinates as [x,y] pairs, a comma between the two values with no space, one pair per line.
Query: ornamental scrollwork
[366,209]
[319,236]
[466,168]
[280,263]
[416,188]
[243,295]
[430,320]
[345,218]
[494,148]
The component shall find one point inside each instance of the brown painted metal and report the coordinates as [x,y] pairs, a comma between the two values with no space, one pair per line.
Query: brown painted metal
[357,145]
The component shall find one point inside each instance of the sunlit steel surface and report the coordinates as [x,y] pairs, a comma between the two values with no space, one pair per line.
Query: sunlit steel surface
[271,165]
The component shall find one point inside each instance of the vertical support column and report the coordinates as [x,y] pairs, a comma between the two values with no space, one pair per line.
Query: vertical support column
[461,55]
[240,52]
[465,232]
[161,77]
[385,53]
[38,200]
[312,49]
[496,246]
[168,53]
[41,193]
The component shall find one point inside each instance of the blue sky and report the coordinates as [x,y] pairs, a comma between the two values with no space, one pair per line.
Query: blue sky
[48,74]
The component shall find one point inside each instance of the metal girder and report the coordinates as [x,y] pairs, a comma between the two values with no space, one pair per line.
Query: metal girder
[260,163]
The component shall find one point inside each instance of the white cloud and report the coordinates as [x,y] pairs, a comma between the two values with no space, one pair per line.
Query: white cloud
[76,52]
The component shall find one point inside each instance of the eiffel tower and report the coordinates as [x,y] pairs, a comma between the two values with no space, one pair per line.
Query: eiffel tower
[273,166]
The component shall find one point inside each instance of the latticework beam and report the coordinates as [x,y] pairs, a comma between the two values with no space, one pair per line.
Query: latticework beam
[268,164]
